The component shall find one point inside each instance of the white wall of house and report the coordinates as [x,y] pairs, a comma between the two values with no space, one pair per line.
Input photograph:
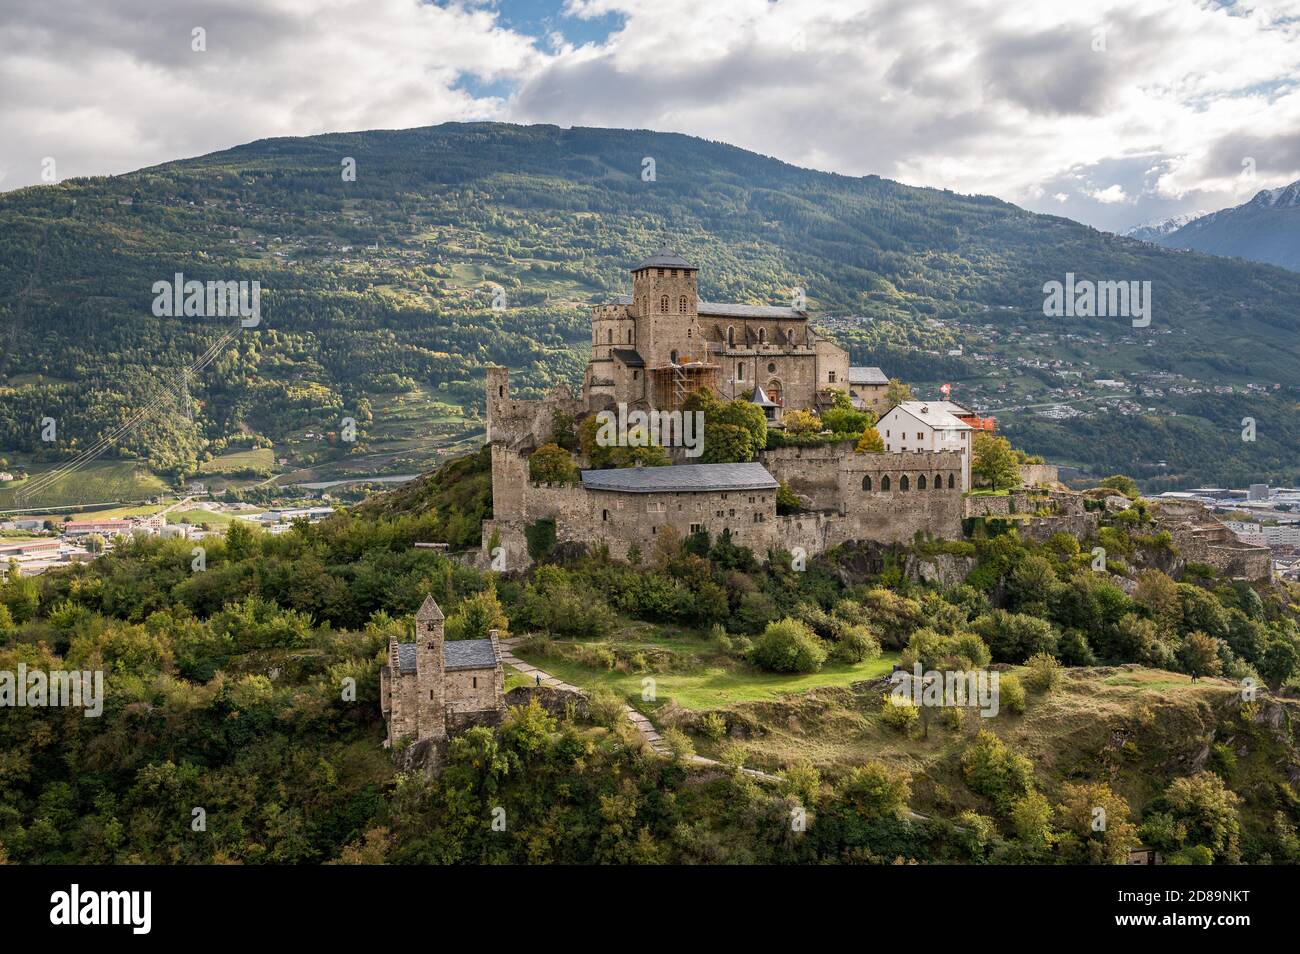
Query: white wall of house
[907,429]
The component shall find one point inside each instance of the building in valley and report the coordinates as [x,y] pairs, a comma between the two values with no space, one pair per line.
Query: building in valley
[431,688]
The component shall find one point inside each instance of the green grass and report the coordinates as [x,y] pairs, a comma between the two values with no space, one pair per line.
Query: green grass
[260,459]
[100,482]
[197,517]
[715,685]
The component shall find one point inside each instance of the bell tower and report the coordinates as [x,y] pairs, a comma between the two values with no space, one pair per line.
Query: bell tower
[430,684]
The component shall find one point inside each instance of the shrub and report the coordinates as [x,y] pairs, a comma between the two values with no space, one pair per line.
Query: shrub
[1045,673]
[606,708]
[899,714]
[551,464]
[876,791]
[788,646]
[1011,694]
[856,644]
[678,744]
[994,771]
[712,726]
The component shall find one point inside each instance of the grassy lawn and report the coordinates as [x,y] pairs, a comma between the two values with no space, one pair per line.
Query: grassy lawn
[717,681]
[197,517]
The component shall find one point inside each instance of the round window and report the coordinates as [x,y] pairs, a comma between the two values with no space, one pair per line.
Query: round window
[771,367]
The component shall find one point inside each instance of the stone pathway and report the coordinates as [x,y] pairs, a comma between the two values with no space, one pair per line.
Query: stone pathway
[643,725]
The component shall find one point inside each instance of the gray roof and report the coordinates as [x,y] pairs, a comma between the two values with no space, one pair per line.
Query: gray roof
[760,398]
[664,258]
[468,654]
[456,654]
[723,309]
[630,357]
[683,477]
[867,376]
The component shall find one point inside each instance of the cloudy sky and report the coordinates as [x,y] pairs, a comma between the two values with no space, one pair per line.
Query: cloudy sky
[1112,113]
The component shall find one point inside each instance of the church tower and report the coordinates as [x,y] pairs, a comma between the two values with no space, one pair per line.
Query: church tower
[430,707]
[666,305]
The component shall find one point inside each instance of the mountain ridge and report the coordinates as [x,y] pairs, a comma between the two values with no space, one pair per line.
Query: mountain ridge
[375,287]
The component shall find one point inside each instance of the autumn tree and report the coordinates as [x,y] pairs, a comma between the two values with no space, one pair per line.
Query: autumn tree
[870,442]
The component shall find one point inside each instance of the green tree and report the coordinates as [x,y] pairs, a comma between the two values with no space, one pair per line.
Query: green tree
[788,645]
[1210,812]
[551,464]
[896,392]
[876,791]
[1125,485]
[1094,825]
[993,462]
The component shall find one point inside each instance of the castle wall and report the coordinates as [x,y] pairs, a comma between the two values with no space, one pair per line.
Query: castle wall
[811,472]
[471,690]
[1032,475]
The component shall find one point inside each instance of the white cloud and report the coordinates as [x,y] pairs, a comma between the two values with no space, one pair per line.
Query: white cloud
[1109,195]
[973,95]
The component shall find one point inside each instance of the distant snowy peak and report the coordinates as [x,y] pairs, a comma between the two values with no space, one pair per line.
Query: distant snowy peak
[1286,197]
[1154,231]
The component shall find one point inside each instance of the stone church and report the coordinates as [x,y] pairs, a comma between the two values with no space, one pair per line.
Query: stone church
[431,688]
[651,349]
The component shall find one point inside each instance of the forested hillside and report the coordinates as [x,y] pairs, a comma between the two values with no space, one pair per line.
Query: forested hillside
[384,287]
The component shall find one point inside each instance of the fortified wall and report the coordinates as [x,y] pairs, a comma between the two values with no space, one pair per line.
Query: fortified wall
[882,497]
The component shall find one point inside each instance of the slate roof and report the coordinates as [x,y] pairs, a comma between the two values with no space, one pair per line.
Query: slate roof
[867,376]
[456,654]
[683,477]
[468,654]
[760,398]
[932,414]
[664,258]
[722,309]
[630,357]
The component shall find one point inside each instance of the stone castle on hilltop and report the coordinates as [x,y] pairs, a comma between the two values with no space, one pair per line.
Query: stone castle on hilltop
[653,349]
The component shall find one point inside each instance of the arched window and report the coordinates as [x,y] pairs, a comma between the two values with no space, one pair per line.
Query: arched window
[609,336]
[866,482]
[938,481]
[629,336]
[884,483]
[920,482]
[681,304]
[762,336]
[501,391]
[740,371]
[731,336]
[663,304]
[951,482]
[672,356]
[902,482]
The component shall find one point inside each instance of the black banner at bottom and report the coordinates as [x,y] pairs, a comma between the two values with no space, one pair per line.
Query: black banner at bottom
[142,904]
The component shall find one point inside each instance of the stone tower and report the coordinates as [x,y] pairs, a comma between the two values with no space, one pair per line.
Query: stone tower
[665,303]
[430,681]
